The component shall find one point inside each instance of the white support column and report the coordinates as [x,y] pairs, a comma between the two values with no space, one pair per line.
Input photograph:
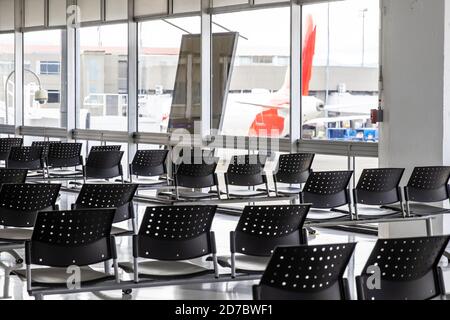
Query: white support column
[206,50]
[416,98]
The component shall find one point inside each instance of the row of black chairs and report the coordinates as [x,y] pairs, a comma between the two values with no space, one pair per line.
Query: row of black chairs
[397,269]
[325,190]
[169,237]
[49,157]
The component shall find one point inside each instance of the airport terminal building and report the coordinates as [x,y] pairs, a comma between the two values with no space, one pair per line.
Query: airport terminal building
[224,150]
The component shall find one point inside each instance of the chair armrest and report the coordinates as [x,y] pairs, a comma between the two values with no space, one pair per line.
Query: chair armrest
[112,240]
[233,242]
[213,242]
[135,246]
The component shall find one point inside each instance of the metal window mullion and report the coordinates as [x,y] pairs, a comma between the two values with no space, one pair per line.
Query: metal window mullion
[133,56]
[296,75]
[206,70]
[103,10]
[46,13]
[64,79]
[170,7]
[72,77]
[18,66]
[77,78]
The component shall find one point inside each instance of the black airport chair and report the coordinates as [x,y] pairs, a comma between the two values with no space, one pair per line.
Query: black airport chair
[292,170]
[64,239]
[6,144]
[45,146]
[307,273]
[260,230]
[427,185]
[191,177]
[403,269]
[103,165]
[149,164]
[107,196]
[327,191]
[19,206]
[381,188]
[106,148]
[30,158]
[64,156]
[170,236]
[246,171]
[13,176]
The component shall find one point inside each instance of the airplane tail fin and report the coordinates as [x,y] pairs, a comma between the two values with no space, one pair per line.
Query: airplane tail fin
[308,51]
[308,55]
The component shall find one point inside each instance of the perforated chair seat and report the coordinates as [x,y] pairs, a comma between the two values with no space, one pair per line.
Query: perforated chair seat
[247,193]
[56,276]
[161,269]
[183,194]
[120,232]
[64,173]
[147,182]
[370,212]
[284,191]
[15,234]
[419,209]
[317,215]
[288,190]
[245,264]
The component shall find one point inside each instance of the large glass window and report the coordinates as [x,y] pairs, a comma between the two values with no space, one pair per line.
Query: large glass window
[257,102]
[6,89]
[165,83]
[340,70]
[104,86]
[42,70]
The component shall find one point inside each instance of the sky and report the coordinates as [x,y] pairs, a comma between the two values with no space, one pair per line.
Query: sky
[263,31]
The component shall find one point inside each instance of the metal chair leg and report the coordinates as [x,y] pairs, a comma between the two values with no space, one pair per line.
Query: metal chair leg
[107,266]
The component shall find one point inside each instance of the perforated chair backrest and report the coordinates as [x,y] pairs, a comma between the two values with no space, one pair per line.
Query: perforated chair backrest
[294,168]
[13,176]
[326,190]
[20,203]
[63,155]
[106,148]
[409,269]
[106,196]
[149,163]
[246,171]
[104,164]
[379,186]
[6,144]
[65,238]
[263,228]
[428,184]
[175,233]
[25,158]
[199,173]
[45,146]
[306,273]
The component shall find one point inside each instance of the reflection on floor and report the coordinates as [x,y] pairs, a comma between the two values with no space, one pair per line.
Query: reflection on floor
[229,291]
